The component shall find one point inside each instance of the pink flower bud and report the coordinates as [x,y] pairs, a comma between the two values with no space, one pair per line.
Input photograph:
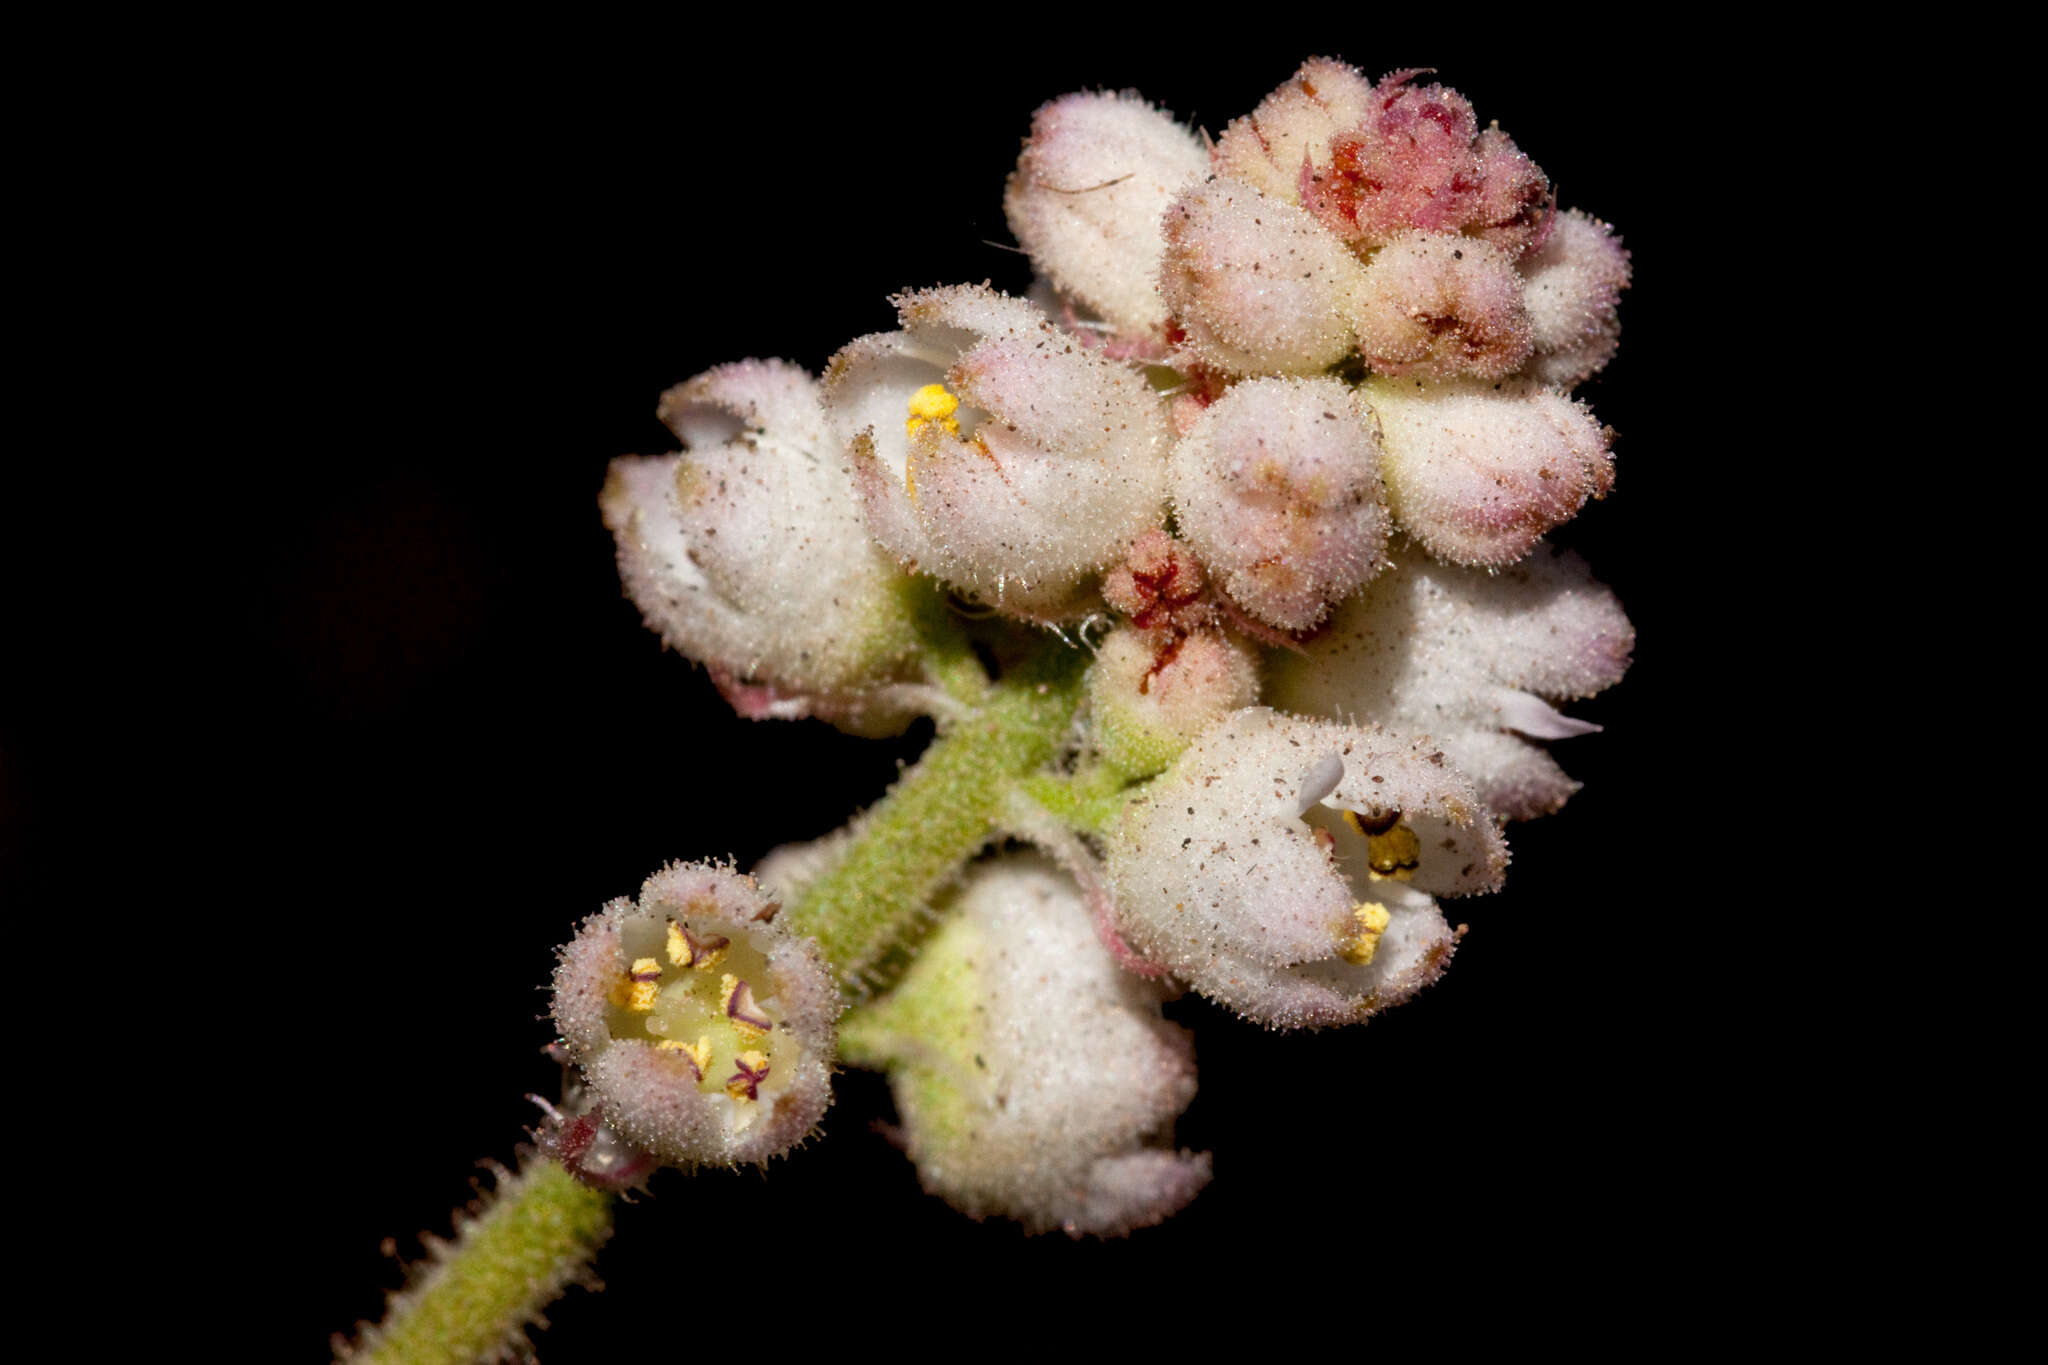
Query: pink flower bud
[1277,488]
[746,552]
[1085,200]
[1286,867]
[1287,138]
[1255,285]
[1464,659]
[1159,586]
[1572,286]
[993,452]
[1437,306]
[704,1030]
[1035,1080]
[1408,163]
[1479,472]
[1150,693]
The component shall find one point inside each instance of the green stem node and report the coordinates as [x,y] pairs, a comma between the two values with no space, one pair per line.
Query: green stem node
[938,815]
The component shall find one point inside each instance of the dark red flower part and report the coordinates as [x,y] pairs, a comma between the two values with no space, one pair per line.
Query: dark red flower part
[747,1079]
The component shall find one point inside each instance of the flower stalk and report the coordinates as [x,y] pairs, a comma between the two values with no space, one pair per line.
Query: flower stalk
[912,842]
[532,1238]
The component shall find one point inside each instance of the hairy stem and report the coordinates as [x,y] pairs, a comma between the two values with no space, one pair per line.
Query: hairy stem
[533,1239]
[938,815]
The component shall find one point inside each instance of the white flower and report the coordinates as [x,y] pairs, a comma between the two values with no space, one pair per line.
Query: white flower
[1465,659]
[1285,867]
[993,452]
[1033,1076]
[746,552]
[704,1029]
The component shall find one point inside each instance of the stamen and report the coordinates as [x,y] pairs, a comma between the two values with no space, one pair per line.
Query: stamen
[933,403]
[740,1007]
[1373,919]
[687,950]
[640,988]
[745,1084]
[698,1053]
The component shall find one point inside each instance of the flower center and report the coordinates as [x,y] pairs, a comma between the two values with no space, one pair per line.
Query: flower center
[692,992]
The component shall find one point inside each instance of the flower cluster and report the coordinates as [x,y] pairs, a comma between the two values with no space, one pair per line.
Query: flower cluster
[1221,561]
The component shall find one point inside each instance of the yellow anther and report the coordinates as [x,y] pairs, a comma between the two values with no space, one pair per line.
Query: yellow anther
[641,986]
[698,1052]
[933,403]
[1394,854]
[684,953]
[1391,848]
[1373,920]
[740,1009]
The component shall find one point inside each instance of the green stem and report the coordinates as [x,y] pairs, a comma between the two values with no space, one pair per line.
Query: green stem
[534,1238]
[938,815]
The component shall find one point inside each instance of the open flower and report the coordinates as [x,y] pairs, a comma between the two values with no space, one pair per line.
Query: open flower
[992,451]
[704,1030]
[1286,867]
[746,553]
[1035,1080]
[1466,660]
[1480,472]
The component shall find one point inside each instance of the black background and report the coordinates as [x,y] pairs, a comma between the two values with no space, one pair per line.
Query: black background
[418,732]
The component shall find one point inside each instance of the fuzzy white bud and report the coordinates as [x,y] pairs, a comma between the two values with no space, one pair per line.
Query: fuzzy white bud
[1277,488]
[1255,284]
[1032,1075]
[1290,132]
[1085,201]
[1479,472]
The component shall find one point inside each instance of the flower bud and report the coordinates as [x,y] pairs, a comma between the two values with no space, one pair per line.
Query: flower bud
[1255,285]
[1032,1076]
[746,552]
[1284,867]
[1515,211]
[994,453]
[1464,658]
[1150,693]
[1572,286]
[1479,472]
[1159,586]
[1437,306]
[1407,164]
[1277,487]
[1085,200]
[1286,140]
[704,1030]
